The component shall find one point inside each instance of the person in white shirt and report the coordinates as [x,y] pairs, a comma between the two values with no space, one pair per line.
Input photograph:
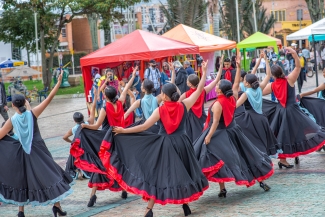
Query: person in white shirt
[322,55]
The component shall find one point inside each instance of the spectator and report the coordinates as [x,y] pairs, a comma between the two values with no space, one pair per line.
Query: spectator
[153,74]
[233,62]
[322,55]
[217,65]
[306,53]
[285,63]
[94,90]
[252,65]
[228,72]
[3,101]
[166,69]
[110,80]
[303,70]
[181,77]
[188,68]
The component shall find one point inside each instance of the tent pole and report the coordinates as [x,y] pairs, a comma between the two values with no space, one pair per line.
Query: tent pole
[315,57]
[244,52]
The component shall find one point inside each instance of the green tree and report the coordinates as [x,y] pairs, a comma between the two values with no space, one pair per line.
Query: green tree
[316,9]
[18,28]
[264,23]
[188,12]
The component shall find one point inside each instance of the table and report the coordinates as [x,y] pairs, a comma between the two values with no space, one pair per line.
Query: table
[212,94]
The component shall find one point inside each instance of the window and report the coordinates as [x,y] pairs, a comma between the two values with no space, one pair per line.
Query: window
[279,15]
[299,14]
[63,32]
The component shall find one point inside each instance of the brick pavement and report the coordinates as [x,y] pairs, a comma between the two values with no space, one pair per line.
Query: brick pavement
[295,192]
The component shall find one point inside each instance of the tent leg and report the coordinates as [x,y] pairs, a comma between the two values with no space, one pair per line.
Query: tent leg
[316,66]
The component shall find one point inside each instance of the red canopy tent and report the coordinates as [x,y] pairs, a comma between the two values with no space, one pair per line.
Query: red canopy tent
[138,45]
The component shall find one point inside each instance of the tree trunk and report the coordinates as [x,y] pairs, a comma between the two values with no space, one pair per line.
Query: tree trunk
[92,20]
[28,53]
[107,35]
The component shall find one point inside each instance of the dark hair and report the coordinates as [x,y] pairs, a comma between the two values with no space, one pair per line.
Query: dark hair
[171,91]
[227,60]
[18,101]
[111,94]
[243,73]
[252,80]
[109,70]
[277,71]
[193,79]
[148,86]
[226,87]
[78,117]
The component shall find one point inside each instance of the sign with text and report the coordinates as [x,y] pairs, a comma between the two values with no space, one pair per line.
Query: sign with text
[295,25]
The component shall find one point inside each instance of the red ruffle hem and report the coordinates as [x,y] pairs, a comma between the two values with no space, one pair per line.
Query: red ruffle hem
[105,156]
[293,155]
[210,171]
[243,182]
[104,186]
[76,152]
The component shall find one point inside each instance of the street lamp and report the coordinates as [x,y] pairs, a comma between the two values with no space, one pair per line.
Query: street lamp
[254,15]
[36,39]
[237,18]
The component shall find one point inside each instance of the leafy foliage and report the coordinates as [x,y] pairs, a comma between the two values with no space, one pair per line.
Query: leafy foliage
[188,12]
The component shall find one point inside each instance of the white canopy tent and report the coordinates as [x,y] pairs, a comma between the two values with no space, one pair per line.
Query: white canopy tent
[307,31]
[319,30]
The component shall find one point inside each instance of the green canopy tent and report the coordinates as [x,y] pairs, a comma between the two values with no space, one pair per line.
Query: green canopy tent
[258,40]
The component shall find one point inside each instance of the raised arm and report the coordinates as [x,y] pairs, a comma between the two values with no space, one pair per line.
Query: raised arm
[37,111]
[317,89]
[101,117]
[133,107]
[266,80]
[241,100]
[293,76]
[257,64]
[149,122]
[27,105]
[189,102]
[132,97]
[183,96]
[91,118]
[172,70]
[216,110]
[128,85]
[235,87]
[217,79]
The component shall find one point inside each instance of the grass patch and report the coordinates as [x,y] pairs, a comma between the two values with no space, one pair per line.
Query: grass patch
[62,91]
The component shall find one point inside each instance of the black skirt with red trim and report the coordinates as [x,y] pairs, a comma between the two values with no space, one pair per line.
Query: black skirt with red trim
[85,150]
[243,162]
[194,125]
[296,133]
[159,167]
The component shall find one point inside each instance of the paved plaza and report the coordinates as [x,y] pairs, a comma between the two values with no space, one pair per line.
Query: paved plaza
[295,192]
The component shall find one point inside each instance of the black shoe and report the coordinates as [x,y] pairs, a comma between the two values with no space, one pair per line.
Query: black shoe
[265,186]
[21,214]
[92,201]
[56,210]
[296,160]
[124,195]
[149,213]
[283,165]
[323,147]
[222,193]
[187,210]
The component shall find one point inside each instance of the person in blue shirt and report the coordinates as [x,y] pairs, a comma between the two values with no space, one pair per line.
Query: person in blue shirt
[188,68]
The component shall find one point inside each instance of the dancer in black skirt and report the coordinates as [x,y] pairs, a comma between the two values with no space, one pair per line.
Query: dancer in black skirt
[37,179]
[196,115]
[316,106]
[252,122]
[160,167]
[112,114]
[296,133]
[243,162]
[149,102]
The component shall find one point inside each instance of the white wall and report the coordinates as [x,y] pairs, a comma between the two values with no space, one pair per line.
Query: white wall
[5,51]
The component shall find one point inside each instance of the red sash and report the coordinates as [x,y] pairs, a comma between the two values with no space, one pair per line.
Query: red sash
[197,107]
[280,90]
[171,115]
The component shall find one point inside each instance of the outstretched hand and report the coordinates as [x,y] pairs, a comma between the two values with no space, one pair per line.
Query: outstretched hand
[291,51]
[171,66]
[135,69]
[262,55]
[221,59]
[60,77]
[204,67]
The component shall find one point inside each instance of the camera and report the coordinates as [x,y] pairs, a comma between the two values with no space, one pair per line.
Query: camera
[110,78]
[199,60]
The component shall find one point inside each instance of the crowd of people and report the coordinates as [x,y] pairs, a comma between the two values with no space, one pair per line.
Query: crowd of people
[170,154]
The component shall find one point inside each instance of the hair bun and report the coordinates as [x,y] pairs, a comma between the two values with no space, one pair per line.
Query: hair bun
[22,109]
[114,100]
[229,93]
[255,85]
[175,97]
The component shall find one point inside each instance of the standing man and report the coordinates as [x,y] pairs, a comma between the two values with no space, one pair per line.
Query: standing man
[181,77]
[153,74]
[188,68]
[3,100]
[228,72]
